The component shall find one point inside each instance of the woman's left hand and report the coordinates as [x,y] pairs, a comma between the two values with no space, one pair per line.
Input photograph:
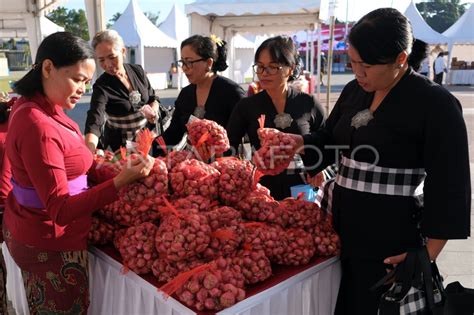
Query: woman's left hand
[395,260]
[433,246]
[148,112]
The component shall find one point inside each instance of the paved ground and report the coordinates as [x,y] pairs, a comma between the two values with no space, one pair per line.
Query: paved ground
[456,262]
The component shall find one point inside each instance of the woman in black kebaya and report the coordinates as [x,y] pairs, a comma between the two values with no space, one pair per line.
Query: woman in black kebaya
[396,130]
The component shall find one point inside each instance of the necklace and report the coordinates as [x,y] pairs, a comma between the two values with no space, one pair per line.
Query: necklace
[283,120]
[362,118]
[199,112]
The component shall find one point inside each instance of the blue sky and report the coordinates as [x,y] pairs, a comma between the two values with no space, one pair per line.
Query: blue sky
[357,8]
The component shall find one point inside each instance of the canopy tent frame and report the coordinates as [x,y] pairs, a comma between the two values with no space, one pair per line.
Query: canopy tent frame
[30,12]
[461,32]
[250,17]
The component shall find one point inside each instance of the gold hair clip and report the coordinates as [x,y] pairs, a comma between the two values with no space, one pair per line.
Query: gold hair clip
[217,40]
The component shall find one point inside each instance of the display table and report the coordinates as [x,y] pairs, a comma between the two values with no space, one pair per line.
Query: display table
[310,289]
[179,80]
[158,81]
[456,77]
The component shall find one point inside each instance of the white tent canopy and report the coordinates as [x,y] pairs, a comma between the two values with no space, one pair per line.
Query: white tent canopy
[244,42]
[17,28]
[253,16]
[138,31]
[29,14]
[462,32]
[244,55]
[176,25]
[227,18]
[15,15]
[421,30]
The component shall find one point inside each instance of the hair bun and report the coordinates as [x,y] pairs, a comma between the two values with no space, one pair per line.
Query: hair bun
[220,64]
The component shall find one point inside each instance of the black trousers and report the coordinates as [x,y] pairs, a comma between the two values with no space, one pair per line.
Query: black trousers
[438,78]
[358,275]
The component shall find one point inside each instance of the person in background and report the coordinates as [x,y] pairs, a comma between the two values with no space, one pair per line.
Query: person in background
[285,109]
[48,212]
[254,88]
[425,67]
[209,95]
[420,51]
[396,129]
[123,100]
[173,70]
[439,68]
[323,67]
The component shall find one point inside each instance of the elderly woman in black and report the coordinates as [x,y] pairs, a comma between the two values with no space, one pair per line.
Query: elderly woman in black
[123,101]
[395,129]
[285,108]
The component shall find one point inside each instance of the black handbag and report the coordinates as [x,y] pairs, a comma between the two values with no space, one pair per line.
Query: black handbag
[417,287]
[459,300]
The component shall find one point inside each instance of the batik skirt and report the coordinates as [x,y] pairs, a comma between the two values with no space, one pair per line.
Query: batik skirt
[55,282]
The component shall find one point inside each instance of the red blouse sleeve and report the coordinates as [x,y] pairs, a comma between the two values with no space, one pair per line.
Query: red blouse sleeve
[5,174]
[99,174]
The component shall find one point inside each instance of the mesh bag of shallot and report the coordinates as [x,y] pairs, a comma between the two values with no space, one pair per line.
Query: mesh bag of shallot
[236,180]
[193,177]
[137,247]
[209,134]
[182,234]
[276,152]
[212,286]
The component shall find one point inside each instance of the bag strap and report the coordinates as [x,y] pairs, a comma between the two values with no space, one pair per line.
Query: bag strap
[405,278]
[425,263]
[402,274]
[389,276]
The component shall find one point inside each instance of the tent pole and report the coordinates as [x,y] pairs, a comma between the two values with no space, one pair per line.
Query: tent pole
[33,27]
[307,50]
[311,56]
[320,43]
[448,68]
[140,55]
[329,66]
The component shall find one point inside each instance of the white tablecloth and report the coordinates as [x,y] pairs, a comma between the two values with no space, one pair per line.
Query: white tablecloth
[179,80]
[461,77]
[158,80]
[313,291]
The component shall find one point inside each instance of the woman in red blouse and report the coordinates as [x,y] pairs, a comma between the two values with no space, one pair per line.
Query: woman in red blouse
[5,187]
[48,213]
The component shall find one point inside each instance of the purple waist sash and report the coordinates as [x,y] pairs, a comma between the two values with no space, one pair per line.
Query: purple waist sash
[27,196]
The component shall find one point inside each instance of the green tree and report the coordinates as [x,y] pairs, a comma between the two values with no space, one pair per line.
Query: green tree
[73,21]
[113,19]
[153,17]
[441,14]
